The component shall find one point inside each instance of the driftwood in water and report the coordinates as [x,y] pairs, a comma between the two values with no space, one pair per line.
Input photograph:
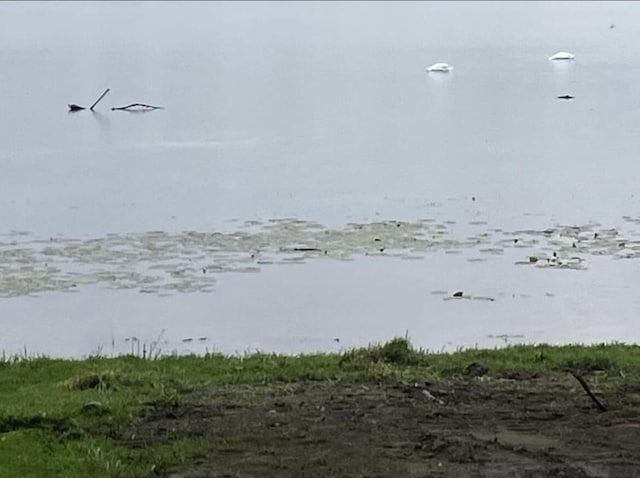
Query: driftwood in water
[132,107]
[599,404]
[98,100]
[73,107]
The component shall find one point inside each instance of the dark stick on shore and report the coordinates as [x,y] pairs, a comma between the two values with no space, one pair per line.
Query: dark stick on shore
[98,100]
[600,406]
[139,105]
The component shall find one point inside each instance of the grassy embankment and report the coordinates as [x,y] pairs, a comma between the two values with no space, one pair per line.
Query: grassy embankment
[68,418]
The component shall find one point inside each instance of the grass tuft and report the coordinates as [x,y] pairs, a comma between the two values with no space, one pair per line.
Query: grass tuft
[398,351]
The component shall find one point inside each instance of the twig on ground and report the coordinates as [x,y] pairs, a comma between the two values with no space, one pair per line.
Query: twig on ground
[599,404]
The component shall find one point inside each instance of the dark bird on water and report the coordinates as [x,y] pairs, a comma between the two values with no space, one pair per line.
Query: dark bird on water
[566,97]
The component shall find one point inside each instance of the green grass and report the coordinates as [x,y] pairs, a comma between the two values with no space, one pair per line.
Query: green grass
[46,429]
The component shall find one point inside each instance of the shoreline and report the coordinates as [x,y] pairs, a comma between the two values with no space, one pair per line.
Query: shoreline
[272,415]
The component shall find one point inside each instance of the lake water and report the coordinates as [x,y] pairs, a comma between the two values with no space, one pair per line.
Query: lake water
[291,126]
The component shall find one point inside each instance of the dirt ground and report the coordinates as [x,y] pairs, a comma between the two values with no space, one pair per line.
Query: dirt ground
[518,426]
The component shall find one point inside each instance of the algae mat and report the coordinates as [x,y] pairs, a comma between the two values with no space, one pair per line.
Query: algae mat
[163,263]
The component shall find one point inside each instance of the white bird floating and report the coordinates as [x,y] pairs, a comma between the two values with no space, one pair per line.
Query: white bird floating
[442,67]
[562,55]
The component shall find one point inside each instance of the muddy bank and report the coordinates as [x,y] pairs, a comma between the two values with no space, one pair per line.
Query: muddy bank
[521,425]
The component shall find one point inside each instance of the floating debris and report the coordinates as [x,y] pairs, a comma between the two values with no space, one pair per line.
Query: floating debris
[440,68]
[562,55]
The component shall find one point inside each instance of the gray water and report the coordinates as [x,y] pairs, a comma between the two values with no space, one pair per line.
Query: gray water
[319,112]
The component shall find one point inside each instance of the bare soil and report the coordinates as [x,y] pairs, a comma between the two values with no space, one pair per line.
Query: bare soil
[522,425]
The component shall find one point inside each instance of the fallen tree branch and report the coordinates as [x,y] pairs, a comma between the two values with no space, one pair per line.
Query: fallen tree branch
[599,404]
[137,105]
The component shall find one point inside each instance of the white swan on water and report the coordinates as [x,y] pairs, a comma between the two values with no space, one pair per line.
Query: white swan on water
[442,67]
[562,55]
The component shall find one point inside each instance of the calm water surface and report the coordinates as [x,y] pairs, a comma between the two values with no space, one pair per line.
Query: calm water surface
[321,112]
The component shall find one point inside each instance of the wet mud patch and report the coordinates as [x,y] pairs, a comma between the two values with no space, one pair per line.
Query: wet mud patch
[521,425]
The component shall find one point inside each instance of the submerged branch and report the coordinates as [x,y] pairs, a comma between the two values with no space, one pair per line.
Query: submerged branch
[137,105]
[98,100]
[74,107]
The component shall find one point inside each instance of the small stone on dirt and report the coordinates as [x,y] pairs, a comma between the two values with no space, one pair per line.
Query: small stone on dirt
[94,407]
